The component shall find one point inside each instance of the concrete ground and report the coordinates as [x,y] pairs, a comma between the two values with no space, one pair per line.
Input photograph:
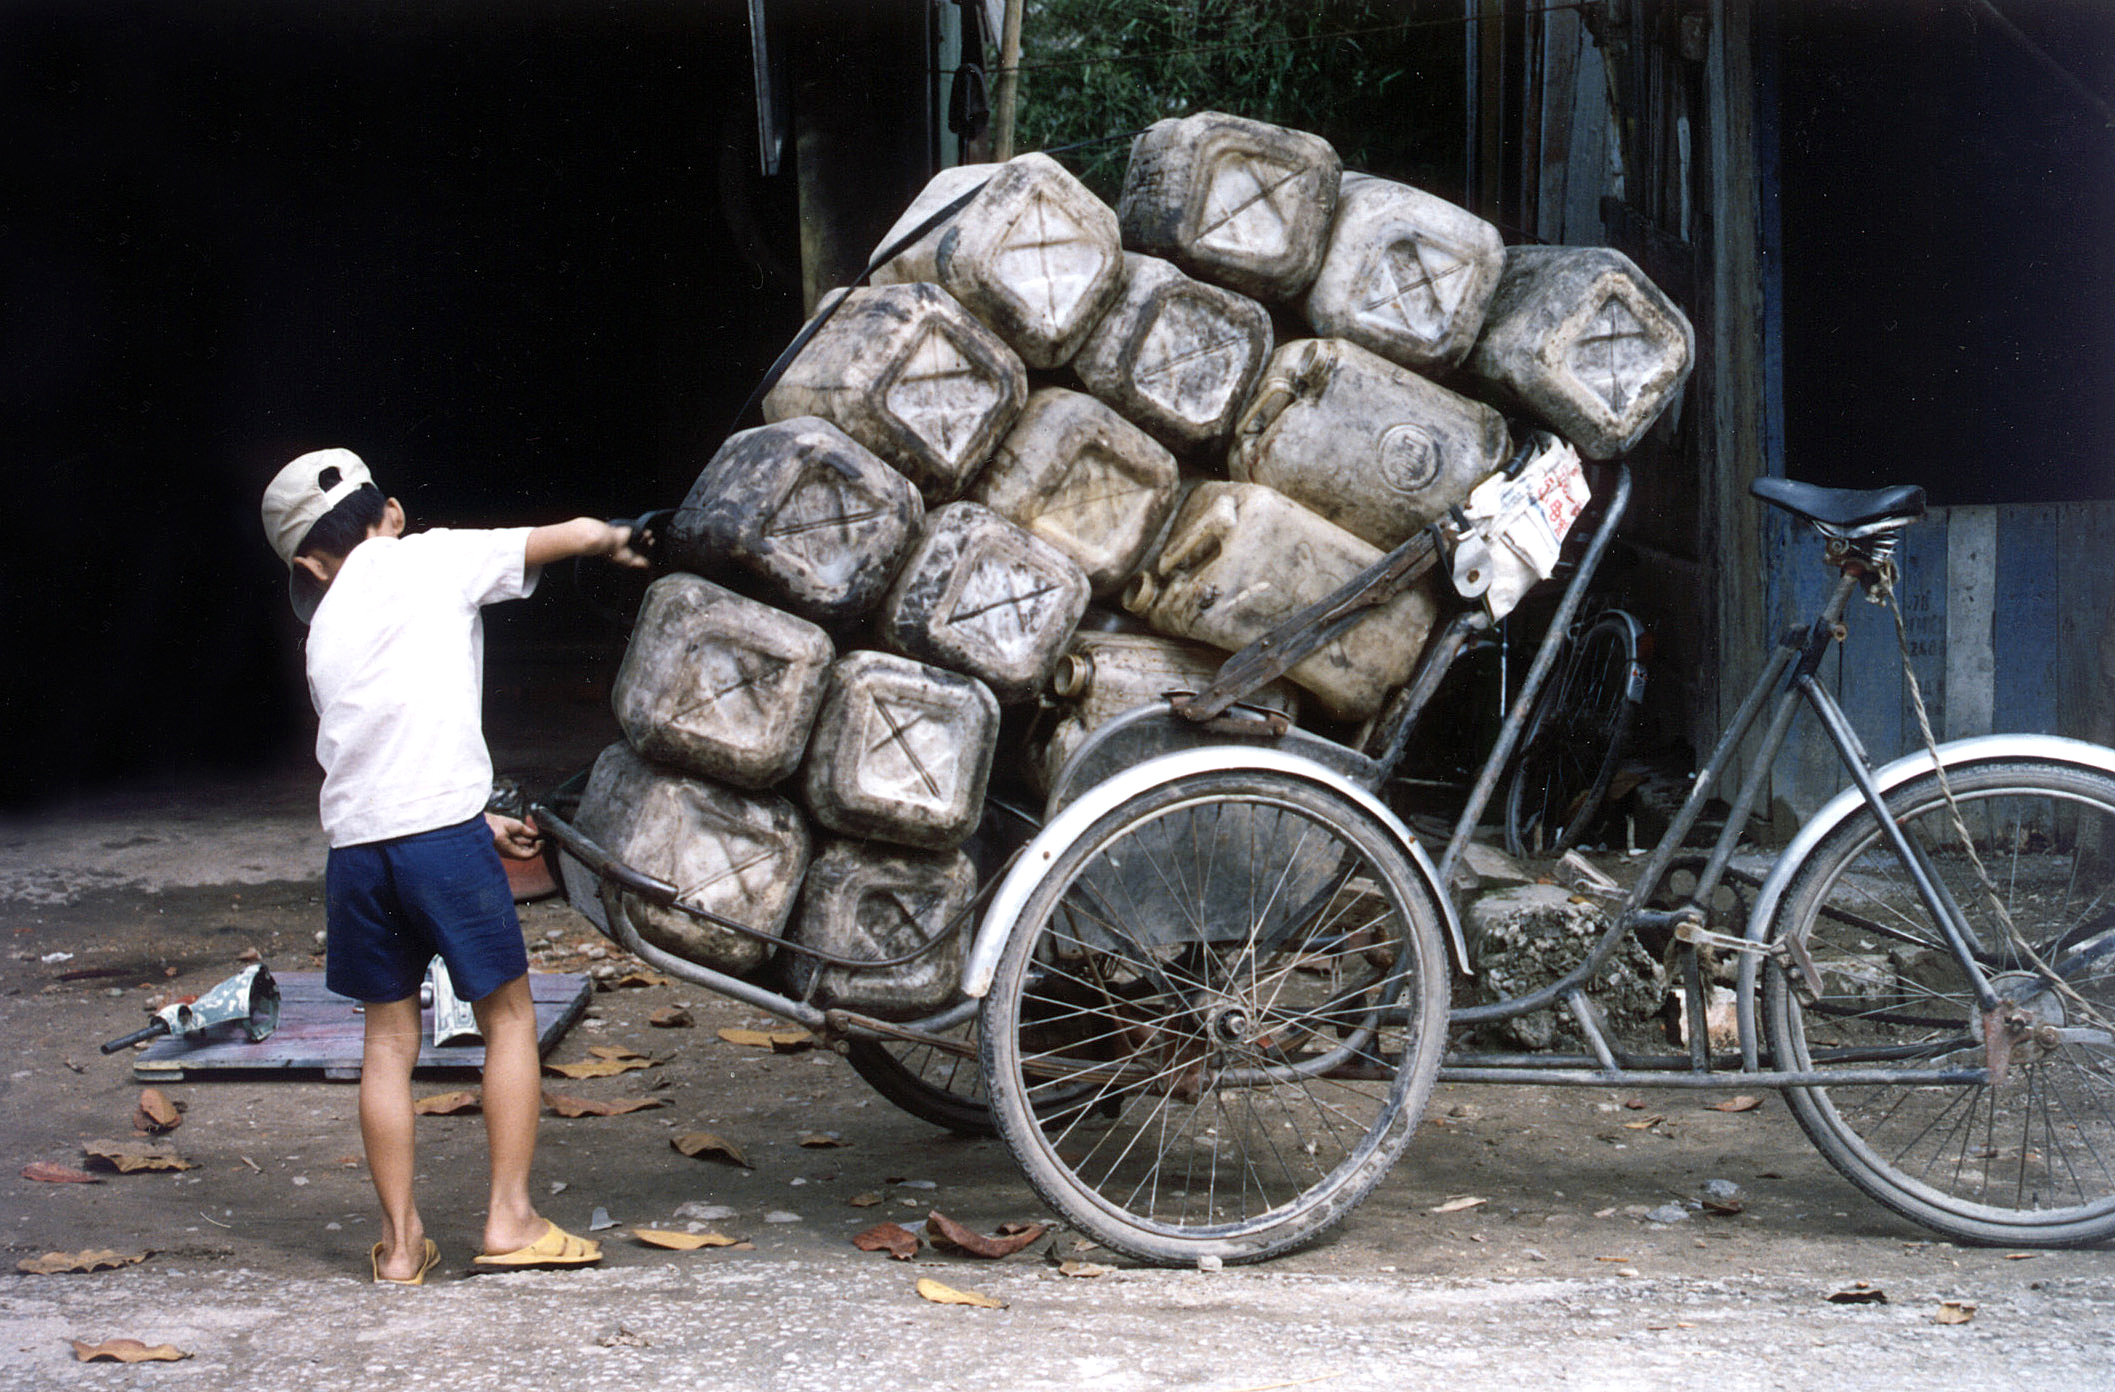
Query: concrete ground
[256,1258]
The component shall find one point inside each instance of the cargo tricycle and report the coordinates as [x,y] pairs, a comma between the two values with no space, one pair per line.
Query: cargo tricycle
[1204,992]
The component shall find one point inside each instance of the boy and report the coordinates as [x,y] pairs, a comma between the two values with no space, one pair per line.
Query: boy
[396,672]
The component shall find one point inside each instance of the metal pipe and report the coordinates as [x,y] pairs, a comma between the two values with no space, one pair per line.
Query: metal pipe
[1553,642]
[1706,1082]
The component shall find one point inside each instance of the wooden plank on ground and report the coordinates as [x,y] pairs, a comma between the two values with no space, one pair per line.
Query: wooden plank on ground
[320,1031]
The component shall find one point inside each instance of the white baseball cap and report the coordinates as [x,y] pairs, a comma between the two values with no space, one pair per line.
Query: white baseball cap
[299,495]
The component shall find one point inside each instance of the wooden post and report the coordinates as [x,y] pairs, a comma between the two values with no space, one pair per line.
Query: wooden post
[1009,83]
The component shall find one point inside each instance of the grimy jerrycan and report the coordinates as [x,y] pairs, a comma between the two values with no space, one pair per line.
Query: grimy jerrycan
[913,376]
[1241,558]
[735,854]
[881,903]
[982,596]
[1373,447]
[1407,274]
[812,517]
[1176,355]
[1104,674]
[1232,201]
[1078,475]
[1582,340]
[901,752]
[1034,254]
[719,685]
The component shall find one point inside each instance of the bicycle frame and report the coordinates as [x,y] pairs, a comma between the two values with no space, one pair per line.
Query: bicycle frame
[1791,673]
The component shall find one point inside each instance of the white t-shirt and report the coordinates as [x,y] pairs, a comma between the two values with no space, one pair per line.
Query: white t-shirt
[396,669]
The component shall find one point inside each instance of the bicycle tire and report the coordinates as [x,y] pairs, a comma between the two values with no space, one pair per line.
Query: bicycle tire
[934,1085]
[1575,739]
[2029,1163]
[929,1083]
[1249,974]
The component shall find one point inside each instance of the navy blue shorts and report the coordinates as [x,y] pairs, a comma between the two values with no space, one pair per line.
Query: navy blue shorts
[392,905]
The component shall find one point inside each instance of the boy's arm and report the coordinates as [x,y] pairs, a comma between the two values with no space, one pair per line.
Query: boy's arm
[583,536]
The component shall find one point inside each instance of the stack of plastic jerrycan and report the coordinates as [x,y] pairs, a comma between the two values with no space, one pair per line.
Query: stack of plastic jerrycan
[1079,476]
[735,854]
[1407,275]
[1241,558]
[1034,254]
[913,376]
[1375,448]
[872,902]
[808,516]
[981,596]
[901,752]
[1579,338]
[1233,201]
[718,685]
[1175,355]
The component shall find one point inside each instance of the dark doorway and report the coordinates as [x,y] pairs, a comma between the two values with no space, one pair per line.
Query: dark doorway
[518,255]
[1948,269]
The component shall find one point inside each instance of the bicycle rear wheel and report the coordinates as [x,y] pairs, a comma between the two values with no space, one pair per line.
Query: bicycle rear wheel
[1575,739]
[1237,979]
[2028,1162]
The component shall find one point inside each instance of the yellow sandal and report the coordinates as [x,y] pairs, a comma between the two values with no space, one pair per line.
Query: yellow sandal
[556,1247]
[430,1260]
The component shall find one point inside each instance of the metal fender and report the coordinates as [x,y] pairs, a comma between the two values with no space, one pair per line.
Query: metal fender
[1037,857]
[1980,749]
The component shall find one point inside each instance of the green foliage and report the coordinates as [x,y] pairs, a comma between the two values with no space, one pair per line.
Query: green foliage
[1381,80]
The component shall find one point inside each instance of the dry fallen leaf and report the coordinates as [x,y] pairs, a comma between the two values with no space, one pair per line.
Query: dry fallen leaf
[599,1067]
[249,954]
[682,1241]
[700,1144]
[48,1172]
[1460,1204]
[671,1017]
[639,978]
[128,1157]
[1646,1125]
[898,1241]
[459,1103]
[867,1200]
[156,1113]
[947,1295]
[821,1140]
[1956,1311]
[562,1105]
[1859,1293]
[55,1263]
[1725,1208]
[614,1051]
[126,1351]
[946,1232]
[1082,1269]
[785,1041]
[1743,1103]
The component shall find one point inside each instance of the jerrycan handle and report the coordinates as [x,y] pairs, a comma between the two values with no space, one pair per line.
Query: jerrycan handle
[1201,544]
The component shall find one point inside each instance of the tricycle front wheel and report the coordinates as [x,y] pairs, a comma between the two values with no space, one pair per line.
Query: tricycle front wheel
[1236,983]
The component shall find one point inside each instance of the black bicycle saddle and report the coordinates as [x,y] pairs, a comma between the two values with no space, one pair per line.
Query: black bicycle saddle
[1842,507]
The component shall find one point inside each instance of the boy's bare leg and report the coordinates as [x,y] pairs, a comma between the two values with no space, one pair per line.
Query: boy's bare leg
[390,1049]
[513,1098]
